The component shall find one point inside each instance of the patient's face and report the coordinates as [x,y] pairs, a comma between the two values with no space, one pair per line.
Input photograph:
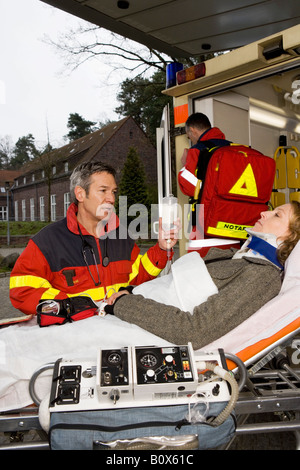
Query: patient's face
[276,221]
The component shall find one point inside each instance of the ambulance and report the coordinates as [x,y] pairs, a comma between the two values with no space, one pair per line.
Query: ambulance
[253,95]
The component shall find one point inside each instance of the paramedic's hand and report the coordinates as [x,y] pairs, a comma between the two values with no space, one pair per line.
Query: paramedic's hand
[184,157]
[168,239]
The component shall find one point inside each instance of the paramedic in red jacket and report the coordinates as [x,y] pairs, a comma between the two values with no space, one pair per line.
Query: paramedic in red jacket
[198,130]
[192,175]
[84,253]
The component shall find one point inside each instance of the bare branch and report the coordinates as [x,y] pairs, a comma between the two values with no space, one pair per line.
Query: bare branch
[86,43]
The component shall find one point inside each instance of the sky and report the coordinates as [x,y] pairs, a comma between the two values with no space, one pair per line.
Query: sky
[37,92]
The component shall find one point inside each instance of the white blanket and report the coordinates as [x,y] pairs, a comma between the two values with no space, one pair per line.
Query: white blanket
[25,347]
[189,284]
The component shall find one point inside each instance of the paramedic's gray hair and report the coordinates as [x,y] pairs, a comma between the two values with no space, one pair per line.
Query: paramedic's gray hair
[82,173]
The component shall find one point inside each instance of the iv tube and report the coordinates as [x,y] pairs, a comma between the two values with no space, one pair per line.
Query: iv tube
[169,216]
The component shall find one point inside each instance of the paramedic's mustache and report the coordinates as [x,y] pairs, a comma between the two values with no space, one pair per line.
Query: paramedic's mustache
[104,212]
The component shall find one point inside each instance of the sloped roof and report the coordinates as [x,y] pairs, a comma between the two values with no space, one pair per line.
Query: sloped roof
[9,175]
[90,144]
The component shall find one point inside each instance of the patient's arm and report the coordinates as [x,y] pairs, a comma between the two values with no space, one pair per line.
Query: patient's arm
[235,302]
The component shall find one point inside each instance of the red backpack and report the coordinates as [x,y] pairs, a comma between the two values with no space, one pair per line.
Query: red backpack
[237,187]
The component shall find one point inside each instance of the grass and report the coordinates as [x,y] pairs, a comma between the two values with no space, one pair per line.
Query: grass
[21,228]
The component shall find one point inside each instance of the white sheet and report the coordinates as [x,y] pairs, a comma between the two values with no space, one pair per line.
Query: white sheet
[189,284]
[25,347]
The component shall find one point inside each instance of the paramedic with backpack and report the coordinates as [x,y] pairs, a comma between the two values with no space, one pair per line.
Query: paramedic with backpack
[192,174]
[229,186]
[198,129]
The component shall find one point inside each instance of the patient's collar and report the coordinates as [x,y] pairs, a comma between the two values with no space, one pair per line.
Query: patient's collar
[262,245]
[264,248]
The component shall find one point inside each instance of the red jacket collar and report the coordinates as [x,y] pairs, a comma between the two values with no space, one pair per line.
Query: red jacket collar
[212,133]
[72,222]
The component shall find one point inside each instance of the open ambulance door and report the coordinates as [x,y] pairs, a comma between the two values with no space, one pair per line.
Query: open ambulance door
[164,178]
[253,95]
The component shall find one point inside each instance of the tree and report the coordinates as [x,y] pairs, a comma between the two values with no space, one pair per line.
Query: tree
[79,127]
[89,42]
[142,99]
[6,152]
[24,151]
[133,182]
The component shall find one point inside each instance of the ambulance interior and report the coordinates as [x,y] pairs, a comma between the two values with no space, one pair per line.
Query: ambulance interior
[260,109]
[263,114]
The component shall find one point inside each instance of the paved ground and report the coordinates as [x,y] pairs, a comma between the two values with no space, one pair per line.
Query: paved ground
[7,310]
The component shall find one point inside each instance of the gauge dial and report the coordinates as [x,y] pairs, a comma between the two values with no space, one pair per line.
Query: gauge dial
[148,360]
[114,358]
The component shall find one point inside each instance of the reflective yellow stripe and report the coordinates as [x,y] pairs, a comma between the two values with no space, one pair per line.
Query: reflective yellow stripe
[150,268]
[96,294]
[28,281]
[135,268]
[226,229]
[39,282]
[197,189]
[110,290]
[50,293]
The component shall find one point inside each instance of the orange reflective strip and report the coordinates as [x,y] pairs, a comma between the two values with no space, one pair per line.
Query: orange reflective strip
[256,348]
[181,113]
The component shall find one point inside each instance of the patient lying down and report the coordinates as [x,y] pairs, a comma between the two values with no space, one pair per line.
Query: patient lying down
[232,286]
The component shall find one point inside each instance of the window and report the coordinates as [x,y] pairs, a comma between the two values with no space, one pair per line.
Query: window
[54,170]
[53,207]
[33,177]
[66,203]
[43,174]
[16,211]
[23,210]
[32,209]
[66,167]
[42,208]
[24,180]
[3,212]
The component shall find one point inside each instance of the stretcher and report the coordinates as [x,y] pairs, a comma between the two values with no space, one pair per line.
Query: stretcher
[263,354]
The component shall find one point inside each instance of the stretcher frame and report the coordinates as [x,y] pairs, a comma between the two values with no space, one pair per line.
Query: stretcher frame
[267,383]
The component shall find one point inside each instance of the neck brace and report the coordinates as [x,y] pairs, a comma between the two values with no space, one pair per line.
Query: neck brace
[260,245]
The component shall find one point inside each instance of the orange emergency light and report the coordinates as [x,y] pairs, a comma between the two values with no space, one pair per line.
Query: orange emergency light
[186,75]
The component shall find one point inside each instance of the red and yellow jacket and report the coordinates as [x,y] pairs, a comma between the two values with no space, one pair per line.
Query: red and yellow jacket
[52,266]
[188,179]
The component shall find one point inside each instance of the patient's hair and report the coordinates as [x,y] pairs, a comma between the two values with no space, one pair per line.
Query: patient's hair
[82,173]
[290,242]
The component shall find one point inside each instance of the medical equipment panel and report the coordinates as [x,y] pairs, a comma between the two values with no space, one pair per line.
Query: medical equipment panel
[137,376]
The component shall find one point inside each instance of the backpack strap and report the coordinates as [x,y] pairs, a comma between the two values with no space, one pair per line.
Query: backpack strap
[207,148]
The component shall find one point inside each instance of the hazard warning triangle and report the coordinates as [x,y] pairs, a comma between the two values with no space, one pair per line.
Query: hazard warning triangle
[246,184]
